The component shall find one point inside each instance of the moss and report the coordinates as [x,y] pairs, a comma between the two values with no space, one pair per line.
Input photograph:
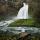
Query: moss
[22,22]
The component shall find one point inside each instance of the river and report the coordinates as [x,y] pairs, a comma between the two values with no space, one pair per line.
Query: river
[4,24]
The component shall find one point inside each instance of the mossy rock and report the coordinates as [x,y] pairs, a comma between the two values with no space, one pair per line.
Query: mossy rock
[22,22]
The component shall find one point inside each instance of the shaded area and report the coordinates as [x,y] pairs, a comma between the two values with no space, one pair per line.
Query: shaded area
[9,8]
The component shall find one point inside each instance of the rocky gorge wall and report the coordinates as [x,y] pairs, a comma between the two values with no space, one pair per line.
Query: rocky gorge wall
[9,7]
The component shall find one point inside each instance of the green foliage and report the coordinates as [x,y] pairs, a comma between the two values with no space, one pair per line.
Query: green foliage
[2,18]
[24,22]
[34,10]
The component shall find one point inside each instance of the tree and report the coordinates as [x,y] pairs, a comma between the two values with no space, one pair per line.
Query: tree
[34,10]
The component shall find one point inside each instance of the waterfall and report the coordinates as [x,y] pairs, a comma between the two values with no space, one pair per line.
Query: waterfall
[23,12]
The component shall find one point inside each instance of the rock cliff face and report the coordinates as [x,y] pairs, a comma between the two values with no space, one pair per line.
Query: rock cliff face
[24,36]
[10,8]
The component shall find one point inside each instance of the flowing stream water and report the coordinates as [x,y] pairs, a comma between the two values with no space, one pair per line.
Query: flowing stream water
[17,30]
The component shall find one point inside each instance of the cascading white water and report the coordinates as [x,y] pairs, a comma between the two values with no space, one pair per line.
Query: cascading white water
[5,23]
[23,12]
[23,30]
